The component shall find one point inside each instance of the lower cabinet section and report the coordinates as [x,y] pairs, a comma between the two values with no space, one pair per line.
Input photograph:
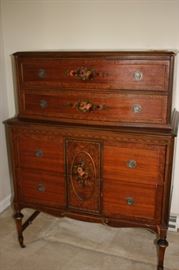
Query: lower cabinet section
[119,177]
[116,174]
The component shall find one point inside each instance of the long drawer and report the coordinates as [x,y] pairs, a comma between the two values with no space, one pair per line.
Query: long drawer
[94,73]
[109,108]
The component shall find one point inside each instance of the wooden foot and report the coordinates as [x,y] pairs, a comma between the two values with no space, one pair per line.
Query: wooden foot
[162,245]
[18,218]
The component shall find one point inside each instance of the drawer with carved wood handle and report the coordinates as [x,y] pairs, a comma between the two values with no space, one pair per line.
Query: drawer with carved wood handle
[109,108]
[135,201]
[41,188]
[94,73]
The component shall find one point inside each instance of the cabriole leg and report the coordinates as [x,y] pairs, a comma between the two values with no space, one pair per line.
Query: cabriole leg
[18,218]
[162,245]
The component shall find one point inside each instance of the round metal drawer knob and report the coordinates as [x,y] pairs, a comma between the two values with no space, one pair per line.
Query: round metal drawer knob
[39,153]
[43,103]
[138,75]
[41,73]
[136,108]
[132,164]
[41,187]
[130,201]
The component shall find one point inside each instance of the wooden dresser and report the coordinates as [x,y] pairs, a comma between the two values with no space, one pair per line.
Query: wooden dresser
[94,137]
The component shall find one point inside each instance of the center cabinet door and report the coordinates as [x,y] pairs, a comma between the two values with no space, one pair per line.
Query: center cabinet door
[83,162]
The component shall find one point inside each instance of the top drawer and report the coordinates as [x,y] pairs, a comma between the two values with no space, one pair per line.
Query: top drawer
[94,71]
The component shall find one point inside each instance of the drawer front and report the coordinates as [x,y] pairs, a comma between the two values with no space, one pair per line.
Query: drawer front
[109,108]
[41,188]
[134,162]
[40,151]
[94,73]
[132,201]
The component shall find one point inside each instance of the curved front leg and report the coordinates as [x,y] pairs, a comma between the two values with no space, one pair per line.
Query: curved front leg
[162,245]
[18,218]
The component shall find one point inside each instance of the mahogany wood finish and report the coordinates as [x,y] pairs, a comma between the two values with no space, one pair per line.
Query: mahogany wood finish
[94,138]
[112,88]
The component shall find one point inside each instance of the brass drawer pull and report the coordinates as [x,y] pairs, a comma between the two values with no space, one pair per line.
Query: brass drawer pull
[130,201]
[42,73]
[138,75]
[83,73]
[87,106]
[136,108]
[41,187]
[43,103]
[39,153]
[132,164]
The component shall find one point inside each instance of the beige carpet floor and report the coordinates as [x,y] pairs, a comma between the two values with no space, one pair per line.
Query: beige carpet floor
[66,244]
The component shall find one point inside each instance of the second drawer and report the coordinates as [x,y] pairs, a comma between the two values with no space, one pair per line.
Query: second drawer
[107,107]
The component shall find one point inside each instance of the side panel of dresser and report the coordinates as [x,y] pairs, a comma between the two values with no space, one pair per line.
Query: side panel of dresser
[120,178]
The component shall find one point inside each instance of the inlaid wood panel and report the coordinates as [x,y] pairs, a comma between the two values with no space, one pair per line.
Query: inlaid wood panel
[83,159]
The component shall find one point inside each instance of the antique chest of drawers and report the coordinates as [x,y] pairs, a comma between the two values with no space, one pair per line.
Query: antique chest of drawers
[94,138]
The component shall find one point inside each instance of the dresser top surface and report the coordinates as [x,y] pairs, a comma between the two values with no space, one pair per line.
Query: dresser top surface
[150,53]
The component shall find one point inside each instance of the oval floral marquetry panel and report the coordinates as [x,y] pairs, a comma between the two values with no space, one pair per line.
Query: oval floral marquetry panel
[83,159]
[83,175]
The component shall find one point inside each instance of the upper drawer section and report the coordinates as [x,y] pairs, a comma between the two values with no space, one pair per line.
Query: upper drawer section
[110,71]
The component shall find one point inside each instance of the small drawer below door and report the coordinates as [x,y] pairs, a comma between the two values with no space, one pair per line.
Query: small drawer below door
[41,188]
[132,201]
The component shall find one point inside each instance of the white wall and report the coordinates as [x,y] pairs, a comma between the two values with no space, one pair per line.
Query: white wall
[5,190]
[90,25]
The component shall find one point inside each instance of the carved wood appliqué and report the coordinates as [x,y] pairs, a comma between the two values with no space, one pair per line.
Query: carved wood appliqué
[83,174]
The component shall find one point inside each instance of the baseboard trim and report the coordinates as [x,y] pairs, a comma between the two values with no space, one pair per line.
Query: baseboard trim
[178,223]
[5,203]
[173,223]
